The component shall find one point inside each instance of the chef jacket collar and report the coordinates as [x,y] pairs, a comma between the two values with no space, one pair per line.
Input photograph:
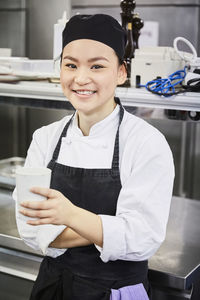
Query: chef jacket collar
[99,127]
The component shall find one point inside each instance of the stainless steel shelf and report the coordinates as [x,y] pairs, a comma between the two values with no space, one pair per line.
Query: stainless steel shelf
[143,98]
[26,91]
[19,264]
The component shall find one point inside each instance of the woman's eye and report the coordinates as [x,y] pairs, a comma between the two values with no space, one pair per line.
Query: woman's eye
[96,67]
[71,66]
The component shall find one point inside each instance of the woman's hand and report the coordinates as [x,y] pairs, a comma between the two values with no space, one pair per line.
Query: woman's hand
[57,209]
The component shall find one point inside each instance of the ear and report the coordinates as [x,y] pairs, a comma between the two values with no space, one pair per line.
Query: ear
[122,74]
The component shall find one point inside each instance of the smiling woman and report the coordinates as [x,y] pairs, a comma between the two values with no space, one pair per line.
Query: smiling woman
[112,177]
[89,75]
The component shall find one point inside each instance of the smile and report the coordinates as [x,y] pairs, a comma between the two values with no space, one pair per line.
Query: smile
[84,92]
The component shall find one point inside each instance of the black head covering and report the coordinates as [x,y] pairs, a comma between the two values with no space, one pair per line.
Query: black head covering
[100,27]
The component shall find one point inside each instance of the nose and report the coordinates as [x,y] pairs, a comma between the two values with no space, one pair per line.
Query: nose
[82,77]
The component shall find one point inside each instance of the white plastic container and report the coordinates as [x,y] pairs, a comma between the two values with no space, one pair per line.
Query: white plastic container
[152,62]
[57,41]
[26,178]
[5,52]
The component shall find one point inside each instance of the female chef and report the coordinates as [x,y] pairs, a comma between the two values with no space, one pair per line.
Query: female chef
[112,177]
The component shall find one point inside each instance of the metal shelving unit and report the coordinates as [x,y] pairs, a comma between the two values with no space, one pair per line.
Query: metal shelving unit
[50,95]
[185,269]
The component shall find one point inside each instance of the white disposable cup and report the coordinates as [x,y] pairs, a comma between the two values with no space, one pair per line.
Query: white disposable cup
[26,178]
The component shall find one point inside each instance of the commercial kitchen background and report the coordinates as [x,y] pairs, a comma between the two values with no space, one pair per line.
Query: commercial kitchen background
[27,28]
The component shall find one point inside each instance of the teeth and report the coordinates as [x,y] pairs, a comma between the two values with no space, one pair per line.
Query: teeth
[85,92]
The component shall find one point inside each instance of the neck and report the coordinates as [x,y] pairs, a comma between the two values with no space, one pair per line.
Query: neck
[86,121]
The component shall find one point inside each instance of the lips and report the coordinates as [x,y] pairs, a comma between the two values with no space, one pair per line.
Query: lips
[84,92]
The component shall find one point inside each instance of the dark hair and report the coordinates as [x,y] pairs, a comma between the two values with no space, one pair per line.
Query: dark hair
[122,62]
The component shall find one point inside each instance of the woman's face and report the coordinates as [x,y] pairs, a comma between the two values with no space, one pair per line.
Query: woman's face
[89,75]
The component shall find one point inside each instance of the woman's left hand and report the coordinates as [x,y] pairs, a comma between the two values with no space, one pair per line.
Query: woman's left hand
[57,209]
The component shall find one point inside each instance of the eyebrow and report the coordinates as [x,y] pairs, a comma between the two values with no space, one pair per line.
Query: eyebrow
[89,60]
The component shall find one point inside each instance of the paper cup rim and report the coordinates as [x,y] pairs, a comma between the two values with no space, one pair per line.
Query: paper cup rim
[33,171]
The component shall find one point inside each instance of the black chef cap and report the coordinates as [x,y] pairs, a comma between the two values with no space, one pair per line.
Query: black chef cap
[100,27]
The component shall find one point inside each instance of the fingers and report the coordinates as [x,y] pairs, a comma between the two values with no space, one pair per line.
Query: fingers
[40,221]
[37,204]
[46,192]
[36,213]
[46,212]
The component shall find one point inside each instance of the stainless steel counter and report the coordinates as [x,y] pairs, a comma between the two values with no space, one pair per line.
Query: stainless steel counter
[176,264]
[9,236]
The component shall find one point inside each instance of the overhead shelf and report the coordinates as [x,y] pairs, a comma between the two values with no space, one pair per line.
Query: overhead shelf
[44,91]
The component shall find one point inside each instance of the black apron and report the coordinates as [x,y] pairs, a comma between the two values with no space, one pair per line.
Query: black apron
[79,273]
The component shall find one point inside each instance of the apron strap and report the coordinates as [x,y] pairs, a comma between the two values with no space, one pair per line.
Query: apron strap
[57,149]
[115,161]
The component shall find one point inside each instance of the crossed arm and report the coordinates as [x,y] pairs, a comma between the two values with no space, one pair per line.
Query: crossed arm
[83,227]
[69,239]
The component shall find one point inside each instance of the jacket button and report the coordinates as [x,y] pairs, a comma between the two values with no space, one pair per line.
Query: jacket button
[105,146]
[68,142]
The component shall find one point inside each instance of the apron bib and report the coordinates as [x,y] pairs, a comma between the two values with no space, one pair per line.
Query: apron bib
[80,273]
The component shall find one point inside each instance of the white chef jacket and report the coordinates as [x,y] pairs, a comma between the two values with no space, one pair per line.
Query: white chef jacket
[146,172]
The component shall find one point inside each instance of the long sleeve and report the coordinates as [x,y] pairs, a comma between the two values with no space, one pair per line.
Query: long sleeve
[146,172]
[38,237]
[139,227]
